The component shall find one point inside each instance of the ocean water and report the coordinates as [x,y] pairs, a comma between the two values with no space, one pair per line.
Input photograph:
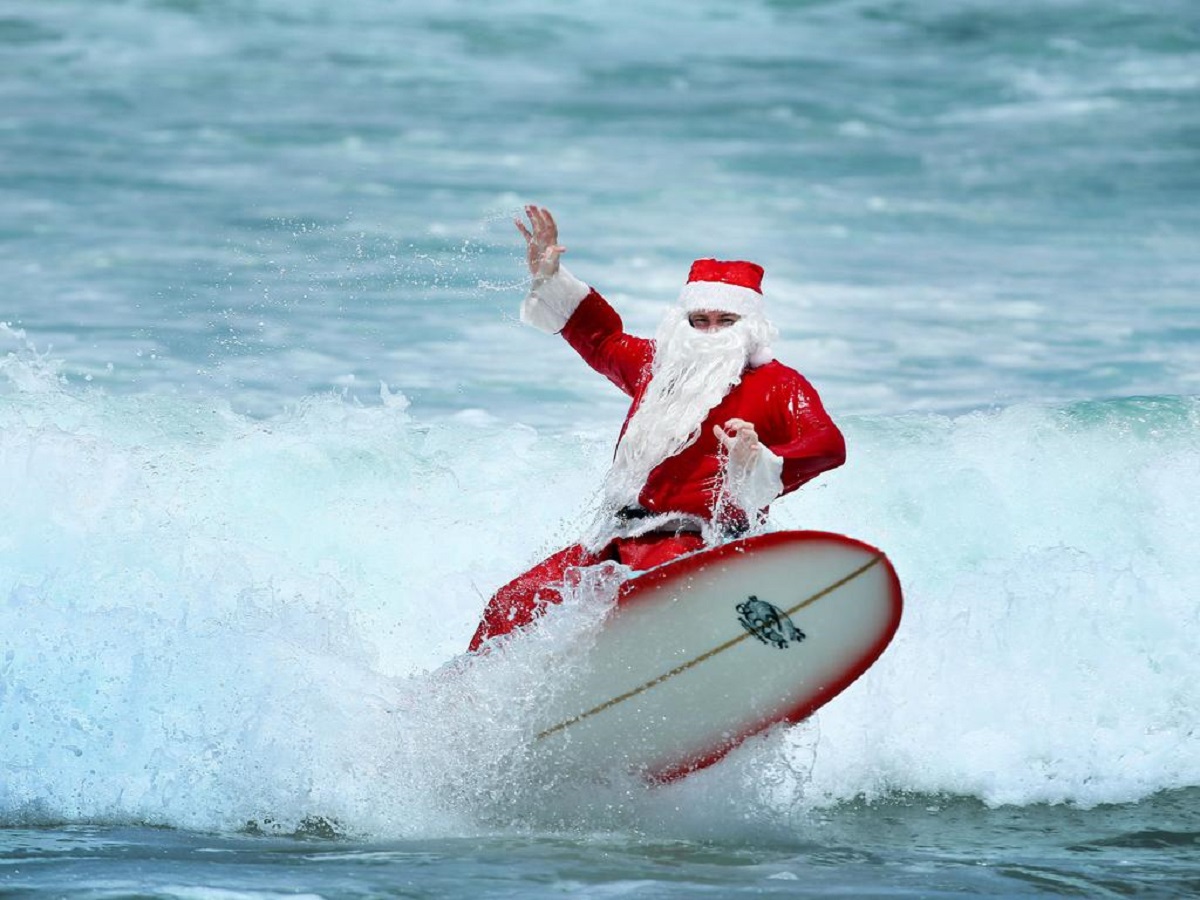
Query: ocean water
[270,433]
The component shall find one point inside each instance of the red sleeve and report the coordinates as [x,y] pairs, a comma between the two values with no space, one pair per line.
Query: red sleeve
[809,443]
[596,332]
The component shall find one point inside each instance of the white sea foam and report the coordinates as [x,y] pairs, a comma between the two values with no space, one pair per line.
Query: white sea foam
[207,620]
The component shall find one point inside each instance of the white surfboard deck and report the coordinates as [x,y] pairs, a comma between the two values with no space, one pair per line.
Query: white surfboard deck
[705,651]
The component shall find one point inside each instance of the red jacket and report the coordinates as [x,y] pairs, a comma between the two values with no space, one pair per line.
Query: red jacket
[778,400]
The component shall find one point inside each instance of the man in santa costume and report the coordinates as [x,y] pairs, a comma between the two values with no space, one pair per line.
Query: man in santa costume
[717,428]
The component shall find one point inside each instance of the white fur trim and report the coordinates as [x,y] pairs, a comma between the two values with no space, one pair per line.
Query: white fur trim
[552,301]
[722,297]
[761,484]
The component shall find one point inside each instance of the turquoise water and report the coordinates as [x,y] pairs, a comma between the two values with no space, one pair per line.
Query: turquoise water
[906,847]
[270,432]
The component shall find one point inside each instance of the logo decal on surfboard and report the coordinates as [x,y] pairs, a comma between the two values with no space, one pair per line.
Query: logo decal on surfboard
[768,623]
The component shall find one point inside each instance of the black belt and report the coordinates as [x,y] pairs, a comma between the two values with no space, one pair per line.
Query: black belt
[636,513]
[684,524]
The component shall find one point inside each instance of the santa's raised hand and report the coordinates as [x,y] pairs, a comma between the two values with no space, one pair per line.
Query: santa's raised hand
[541,239]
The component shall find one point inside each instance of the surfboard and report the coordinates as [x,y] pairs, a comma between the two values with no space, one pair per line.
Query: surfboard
[707,650]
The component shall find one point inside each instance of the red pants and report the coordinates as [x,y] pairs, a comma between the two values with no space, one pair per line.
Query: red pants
[525,597]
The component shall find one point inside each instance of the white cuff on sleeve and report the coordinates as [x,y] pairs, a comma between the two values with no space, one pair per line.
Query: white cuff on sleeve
[761,483]
[552,301]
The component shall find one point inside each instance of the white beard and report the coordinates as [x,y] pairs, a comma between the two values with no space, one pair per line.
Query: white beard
[691,373]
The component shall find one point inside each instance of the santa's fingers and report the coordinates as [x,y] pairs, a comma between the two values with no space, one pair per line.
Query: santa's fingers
[741,430]
[741,426]
[739,439]
[543,223]
[531,232]
[723,437]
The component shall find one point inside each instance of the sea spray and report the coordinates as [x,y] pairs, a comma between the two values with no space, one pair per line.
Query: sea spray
[1051,601]
[208,620]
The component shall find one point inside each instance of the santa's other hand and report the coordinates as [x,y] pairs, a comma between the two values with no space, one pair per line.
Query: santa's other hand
[742,445]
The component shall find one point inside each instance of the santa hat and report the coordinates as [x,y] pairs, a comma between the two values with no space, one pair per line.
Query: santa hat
[731,286]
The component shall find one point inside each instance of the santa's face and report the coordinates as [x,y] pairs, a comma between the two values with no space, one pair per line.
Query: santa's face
[711,319]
